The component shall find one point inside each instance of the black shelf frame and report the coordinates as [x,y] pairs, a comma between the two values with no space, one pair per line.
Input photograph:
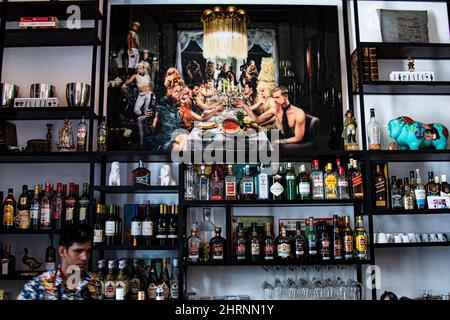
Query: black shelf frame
[46,157]
[401,50]
[274,203]
[50,113]
[50,38]
[22,276]
[29,232]
[136,189]
[137,248]
[411,245]
[234,263]
[402,212]
[404,88]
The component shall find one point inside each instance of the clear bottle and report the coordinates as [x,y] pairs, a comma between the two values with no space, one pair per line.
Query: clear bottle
[247,185]
[374,132]
[194,245]
[82,130]
[206,231]
[317,181]
[110,283]
[203,185]
[420,192]
[102,136]
[437,185]
[140,176]
[190,180]
[304,184]
[8,262]
[396,197]
[262,182]
[330,183]
[408,199]
[122,282]
[23,209]
[380,188]
[290,191]
[174,279]
[230,184]
[342,185]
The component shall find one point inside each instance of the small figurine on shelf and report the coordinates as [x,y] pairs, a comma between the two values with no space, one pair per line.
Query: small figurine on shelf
[166,176]
[349,132]
[49,135]
[102,136]
[411,64]
[114,175]
[31,262]
[66,137]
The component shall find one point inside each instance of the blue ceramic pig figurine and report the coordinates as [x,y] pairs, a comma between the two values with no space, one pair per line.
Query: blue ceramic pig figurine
[410,134]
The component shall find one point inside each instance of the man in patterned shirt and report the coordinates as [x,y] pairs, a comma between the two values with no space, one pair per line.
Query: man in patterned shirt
[71,280]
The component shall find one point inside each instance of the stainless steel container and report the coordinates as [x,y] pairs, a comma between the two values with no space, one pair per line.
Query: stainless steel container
[42,90]
[9,92]
[77,94]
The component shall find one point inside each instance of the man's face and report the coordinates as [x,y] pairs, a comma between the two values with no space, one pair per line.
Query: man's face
[209,85]
[140,70]
[278,98]
[136,27]
[225,67]
[77,254]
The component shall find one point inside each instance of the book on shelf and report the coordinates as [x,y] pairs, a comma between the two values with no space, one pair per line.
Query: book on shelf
[369,66]
[373,61]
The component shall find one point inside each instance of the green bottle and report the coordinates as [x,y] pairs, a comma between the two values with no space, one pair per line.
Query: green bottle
[290,191]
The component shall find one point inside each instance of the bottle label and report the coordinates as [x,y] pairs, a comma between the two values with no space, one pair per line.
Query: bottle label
[5,267]
[268,252]
[135,286]
[337,249]
[276,189]
[284,250]
[98,236]
[8,215]
[255,249]
[147,228]
[145,180]
[348,245]
[193,250]
[49,266]
[330,182]
[299,250]
[217,252]
[23,201]
[248,187]
[23,218]
[69,213]
[45,215]
[240,251]
[304,188]
[263,187]
[312,247]
[110,289]
[110,228]
[81,136]
[136,228]
[152,291]
[231,188]
[343,183]
[83,213]
[420,197]
[56,210]
[34,212]
[361,245]
[120,293]
[174,291]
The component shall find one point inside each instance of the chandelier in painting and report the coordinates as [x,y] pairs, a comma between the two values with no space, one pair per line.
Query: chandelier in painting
[224,33]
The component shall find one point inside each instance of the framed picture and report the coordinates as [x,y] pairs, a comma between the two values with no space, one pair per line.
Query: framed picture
[290,224]
[247,221]
[435,202]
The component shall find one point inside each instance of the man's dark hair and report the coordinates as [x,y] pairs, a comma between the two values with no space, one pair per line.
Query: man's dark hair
[75,233]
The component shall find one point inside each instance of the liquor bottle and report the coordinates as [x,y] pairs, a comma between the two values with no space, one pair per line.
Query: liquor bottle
[50,255]
[135,281]
[83,205]
[9,209]
[136,228]
[147,225]
[206,231]
[412,180]
[396,197]
[218,245]
[420,192]
[430,187]
[247,185]
[203,185]
[161,227]
[69,204]
[153,281]
[437,186]
[330,183]
[174,279]
[57,207]
[254,247]
[190,180]
[262,182]
[82,135]
[277,187]
[35,209]
[140,176]
[119,226]
[110,227]
[194,245]
[374,132]
[408,199]
[360,239]
[230,184]
[290,191]
[99,284]
[356,181]
[216,186]
[304,184]
[102,136]
[240,243]
[324,242]
[311,238]
[317,181]
[99,226]
[23,209]
[348,239]
[8,261]
[164,279]
[380,189]
[299,243]
[64,191]
[121,282]
[268,243]
[173,226]
[445,187]
[283,244]
[342,185]
[110,283]
[337,240]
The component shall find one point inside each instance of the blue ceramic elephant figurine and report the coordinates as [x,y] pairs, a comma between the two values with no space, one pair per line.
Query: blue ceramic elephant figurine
[413,135]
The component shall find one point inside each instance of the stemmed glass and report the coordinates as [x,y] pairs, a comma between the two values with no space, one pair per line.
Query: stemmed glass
[268,289]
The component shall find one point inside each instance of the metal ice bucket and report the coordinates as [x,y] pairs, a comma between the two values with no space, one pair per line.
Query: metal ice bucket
[77,94]
[42,90]
[9,92]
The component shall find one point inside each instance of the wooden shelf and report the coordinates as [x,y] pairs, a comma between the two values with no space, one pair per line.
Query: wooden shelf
[402,50]
[52,113]
[405,88]
[138,189]
[50,37]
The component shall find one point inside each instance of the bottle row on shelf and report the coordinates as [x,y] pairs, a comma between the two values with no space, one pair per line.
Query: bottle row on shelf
[136,281]
[45,209]
[144,225]
[249,182]
[410,193]
[312,240]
